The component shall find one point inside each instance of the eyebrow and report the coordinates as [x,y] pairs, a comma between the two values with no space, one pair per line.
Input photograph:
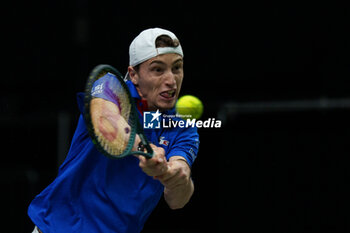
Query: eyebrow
[162,63]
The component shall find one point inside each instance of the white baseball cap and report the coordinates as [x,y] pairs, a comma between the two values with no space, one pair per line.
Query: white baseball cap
[143,47]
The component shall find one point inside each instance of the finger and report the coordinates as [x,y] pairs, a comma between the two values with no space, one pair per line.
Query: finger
[158,158]
[153,167]
[155,161]
[159,151]
[166,179]
[142,160]
[153,146]
[170,183]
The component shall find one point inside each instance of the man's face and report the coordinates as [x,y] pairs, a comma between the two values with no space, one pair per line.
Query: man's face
[159,80]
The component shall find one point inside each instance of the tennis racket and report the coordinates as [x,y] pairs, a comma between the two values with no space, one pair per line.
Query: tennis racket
[111,116]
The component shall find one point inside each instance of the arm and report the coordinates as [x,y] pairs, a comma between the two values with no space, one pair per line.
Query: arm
[175,175]
[177,182]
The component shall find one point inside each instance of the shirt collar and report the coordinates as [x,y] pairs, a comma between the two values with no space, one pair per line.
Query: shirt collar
[132,89]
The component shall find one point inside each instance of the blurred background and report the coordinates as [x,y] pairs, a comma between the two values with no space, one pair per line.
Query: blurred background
[275,74]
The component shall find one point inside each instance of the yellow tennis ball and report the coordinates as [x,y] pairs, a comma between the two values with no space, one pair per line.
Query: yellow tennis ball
[189,107]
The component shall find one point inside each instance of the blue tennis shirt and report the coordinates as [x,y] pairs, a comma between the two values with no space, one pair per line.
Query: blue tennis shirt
[93,193]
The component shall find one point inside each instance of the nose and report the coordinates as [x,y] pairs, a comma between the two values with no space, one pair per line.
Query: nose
[170,79]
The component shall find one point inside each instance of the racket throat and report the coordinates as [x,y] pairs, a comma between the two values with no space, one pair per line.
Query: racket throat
[144,145]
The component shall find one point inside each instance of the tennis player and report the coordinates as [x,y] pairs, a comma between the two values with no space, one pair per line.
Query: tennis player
[93,193]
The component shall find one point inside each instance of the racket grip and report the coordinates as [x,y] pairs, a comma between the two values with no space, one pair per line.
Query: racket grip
[145,145]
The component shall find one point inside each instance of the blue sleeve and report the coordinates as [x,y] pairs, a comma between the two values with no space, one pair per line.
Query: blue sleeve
[186,144]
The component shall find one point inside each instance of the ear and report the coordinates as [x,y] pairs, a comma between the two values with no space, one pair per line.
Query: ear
[134,77]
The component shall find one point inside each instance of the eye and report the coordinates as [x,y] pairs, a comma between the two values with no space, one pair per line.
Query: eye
[177,68]
[157,69]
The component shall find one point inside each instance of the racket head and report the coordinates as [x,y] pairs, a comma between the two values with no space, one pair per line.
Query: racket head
[110,114]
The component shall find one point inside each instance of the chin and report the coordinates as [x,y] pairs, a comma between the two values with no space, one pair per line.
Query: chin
[164,107]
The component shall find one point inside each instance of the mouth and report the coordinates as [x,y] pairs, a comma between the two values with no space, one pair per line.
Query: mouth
[170,94]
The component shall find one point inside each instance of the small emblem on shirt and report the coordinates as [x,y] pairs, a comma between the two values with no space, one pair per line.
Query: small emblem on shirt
[164,142]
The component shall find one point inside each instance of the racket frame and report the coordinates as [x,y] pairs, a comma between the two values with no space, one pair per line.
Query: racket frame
[136,129]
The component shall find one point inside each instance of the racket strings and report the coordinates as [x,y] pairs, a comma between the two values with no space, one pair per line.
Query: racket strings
[112,122]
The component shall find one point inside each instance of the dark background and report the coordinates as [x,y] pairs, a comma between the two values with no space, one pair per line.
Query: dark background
[281,171]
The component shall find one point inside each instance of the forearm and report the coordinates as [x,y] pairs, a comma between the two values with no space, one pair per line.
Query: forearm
[179,196]
[179,188]
[175,175]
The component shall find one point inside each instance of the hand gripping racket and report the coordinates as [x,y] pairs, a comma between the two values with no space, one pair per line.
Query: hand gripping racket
[111,116]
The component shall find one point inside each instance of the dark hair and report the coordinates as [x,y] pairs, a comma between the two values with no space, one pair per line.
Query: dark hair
[162,41]
[166,41]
